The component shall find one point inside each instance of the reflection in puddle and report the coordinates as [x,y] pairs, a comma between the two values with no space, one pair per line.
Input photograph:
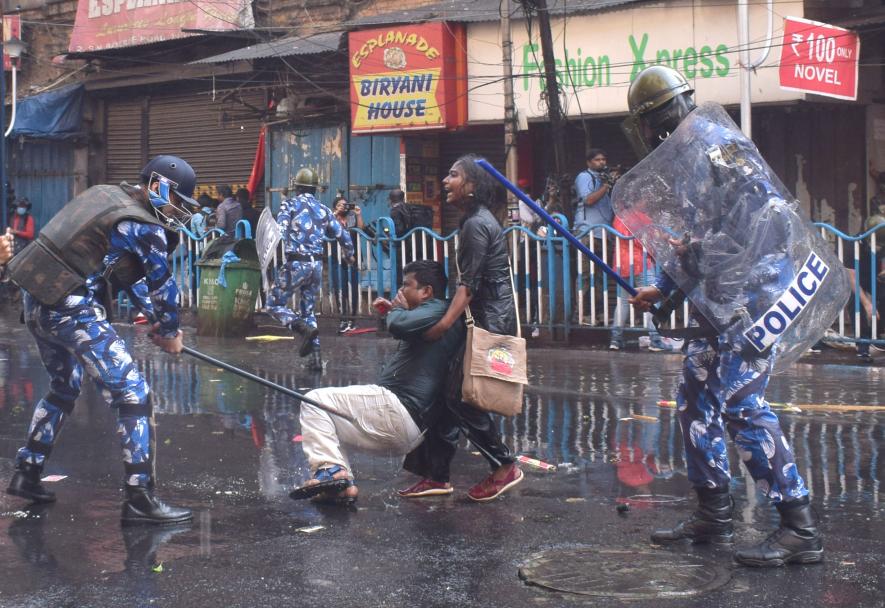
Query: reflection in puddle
[838,452]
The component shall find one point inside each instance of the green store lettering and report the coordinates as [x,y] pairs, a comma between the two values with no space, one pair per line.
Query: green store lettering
[586,72]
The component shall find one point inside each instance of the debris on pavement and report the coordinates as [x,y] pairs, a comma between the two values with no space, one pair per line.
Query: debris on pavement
[53,478]
[310,529]
[538,464]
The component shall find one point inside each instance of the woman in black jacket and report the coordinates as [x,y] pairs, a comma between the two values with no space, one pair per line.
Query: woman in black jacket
[484,285]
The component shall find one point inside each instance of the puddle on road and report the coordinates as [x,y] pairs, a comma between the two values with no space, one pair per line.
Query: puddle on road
[233,444]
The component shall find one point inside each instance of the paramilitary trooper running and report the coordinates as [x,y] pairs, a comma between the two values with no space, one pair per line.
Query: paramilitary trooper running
[106,239]
[304,221]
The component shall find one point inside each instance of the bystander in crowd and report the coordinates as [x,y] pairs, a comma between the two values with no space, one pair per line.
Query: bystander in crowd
[345,277]
[229,212]
[593,208]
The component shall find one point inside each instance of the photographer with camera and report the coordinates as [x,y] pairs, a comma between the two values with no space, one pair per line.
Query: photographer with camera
[594,207]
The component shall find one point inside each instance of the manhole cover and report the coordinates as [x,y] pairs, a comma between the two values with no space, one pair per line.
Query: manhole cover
[655,499]
[622,573]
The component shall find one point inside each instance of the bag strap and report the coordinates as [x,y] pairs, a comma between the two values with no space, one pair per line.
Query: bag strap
[469,317]
[515,301]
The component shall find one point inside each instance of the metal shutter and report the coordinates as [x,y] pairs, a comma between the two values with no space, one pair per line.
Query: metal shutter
[125,146]
[218,140]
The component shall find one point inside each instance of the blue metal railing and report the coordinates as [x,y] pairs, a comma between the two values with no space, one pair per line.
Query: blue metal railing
[556,288]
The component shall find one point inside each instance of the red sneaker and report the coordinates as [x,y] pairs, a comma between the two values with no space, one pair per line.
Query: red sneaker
[490,488]
[426,487]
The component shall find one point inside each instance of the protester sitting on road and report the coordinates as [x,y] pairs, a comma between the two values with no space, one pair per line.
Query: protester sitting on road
[390,416]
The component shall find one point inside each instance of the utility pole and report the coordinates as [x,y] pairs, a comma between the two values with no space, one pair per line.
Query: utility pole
[3,202]
[554,111]
[512,161]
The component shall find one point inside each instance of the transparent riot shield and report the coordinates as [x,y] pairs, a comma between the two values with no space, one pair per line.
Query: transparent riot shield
[267,237]
[726,230]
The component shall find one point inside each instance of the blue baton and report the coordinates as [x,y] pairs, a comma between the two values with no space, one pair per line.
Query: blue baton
[556,226]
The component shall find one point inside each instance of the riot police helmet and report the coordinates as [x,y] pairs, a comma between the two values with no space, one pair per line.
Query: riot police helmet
[165,176]
[306,180]
[658,99]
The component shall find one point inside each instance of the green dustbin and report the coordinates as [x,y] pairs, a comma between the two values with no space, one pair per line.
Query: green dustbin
[227,310]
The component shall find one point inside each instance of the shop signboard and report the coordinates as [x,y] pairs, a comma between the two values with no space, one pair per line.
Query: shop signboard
[599,55]
[403,77]
[819,58]
[109,24]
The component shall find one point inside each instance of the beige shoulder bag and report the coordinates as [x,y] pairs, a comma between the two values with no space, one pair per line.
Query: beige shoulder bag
[494,365]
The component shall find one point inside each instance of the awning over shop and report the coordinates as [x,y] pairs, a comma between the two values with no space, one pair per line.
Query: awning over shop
[51,115]
[284,47]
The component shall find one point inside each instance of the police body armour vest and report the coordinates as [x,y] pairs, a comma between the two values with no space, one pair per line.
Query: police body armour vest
[72,246]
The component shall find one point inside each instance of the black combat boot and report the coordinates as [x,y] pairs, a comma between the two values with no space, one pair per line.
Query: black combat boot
[797,540]
[26,483]
[316,360]
[307,333]
[141,506]
[710,523]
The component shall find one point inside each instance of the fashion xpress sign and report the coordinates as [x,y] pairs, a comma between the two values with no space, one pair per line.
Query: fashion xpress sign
[108,24]
[819,58]
[402,77]
[599,55]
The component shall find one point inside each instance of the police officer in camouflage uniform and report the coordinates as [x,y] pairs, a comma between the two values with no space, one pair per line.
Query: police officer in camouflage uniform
[304,221]
[107,238]
[723,382]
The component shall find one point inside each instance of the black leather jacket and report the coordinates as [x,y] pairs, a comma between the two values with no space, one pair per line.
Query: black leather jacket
[485,271]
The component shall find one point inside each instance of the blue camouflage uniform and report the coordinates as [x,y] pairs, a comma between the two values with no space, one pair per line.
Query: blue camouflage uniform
[75,336]
[303,221]
[722,377]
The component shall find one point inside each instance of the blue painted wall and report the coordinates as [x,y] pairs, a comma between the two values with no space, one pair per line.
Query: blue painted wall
[43,171]
[355,165]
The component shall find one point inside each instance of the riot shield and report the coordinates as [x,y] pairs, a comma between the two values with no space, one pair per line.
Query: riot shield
[267,237]
[720,223]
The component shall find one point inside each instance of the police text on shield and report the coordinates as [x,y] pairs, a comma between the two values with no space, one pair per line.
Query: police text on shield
[770,326]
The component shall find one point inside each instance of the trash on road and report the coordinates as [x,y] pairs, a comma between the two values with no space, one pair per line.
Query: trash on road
[268,338]
[310,529]
[538,464]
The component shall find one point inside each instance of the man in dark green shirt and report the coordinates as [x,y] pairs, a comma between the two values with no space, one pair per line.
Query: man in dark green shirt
[390,416]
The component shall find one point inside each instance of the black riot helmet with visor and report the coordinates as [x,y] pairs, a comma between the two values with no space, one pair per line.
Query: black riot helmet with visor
[659,99]
[170,182]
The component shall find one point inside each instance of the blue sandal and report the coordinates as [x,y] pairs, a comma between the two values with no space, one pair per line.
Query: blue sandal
[327,483]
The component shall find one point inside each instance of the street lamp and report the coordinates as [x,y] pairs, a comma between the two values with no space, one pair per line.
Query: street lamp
[14,48]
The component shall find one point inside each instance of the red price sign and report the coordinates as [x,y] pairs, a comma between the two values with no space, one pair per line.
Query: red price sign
[819,58]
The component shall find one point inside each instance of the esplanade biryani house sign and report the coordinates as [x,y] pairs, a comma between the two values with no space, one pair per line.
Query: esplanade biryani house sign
[109,24]
[402,78]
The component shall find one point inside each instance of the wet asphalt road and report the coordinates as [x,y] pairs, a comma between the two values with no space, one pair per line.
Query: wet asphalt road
[229,450]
